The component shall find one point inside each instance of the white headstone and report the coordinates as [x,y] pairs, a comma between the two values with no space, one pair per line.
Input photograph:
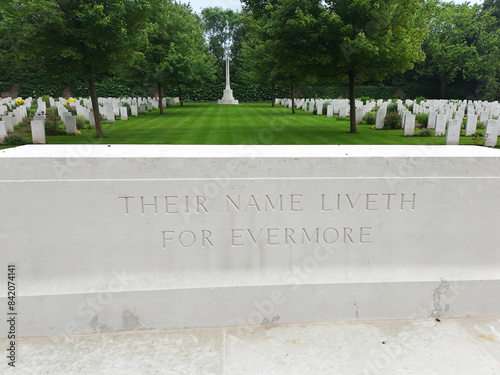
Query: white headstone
[409,128]
[453,132]
[344,112]
[9,123]
[329,110]
[471,124]
[3,131]
[379,121]
[431,123]
[133,110]
[311,106]
[123,113]
[142,107]
[70,125]
[440,125]
[491,133]
[38,131]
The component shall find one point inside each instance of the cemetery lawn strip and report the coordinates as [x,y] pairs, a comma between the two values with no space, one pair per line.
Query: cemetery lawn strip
[246,123]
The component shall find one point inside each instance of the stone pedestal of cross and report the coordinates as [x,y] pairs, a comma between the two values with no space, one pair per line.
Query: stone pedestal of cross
[228,97]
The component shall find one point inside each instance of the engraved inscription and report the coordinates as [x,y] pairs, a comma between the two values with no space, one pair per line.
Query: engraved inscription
[222,218]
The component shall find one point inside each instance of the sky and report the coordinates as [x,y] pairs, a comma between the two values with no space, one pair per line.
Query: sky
[197,5]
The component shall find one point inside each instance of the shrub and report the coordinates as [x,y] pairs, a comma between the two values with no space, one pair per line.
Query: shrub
[370,118]
[422,119]
[23,127]
[14,140]
[365,99]
[420,99]
[80,122]
[393,121]
[477,138]
[392,108]
[46,99]
[480,125]
[71,110]
[424,132]
[52,124]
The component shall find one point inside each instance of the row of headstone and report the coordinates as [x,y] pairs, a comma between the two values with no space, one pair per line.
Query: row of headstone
[444,117]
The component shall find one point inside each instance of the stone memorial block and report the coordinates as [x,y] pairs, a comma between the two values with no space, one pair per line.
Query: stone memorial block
[38,131]
[150,106]
[453,132]
[359,115]
[409,128]
[70,125]
[491,133]
[142,107]
[440,124]
[133,110]
[123,113]
[470,124]
[200,236]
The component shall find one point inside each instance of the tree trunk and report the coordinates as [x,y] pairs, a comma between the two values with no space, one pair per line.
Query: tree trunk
[444,82]
[160,101]
[293,101]
[180,97]
[273,95]
[95,108]
[352,104]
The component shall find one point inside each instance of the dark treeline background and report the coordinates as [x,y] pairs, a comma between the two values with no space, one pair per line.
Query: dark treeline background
[462,61]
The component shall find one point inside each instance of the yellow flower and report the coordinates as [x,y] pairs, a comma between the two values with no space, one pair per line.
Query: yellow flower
[78,132]
[19,102]
[70,100]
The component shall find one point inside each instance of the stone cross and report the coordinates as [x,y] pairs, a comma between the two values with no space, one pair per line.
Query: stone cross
[227,71]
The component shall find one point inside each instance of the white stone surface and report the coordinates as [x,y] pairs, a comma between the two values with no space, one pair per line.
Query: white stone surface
[449,347]
[220,266]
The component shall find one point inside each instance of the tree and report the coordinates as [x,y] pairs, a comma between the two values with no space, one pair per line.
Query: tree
[451,48]
[225,34]
[376,37]
[284,41]
[75,38]
[172,52]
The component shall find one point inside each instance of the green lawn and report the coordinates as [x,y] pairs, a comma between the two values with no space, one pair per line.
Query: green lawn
[259,123]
